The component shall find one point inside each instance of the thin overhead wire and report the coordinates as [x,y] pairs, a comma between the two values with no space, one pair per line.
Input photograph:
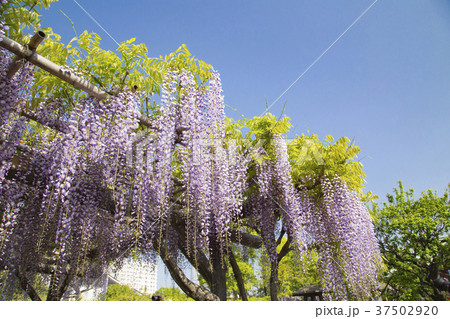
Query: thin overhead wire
[96,22]
[319,57]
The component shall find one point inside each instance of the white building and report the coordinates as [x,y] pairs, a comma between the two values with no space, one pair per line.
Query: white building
[138,274]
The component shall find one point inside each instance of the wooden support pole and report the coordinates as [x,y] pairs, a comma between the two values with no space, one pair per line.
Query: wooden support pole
[32,45]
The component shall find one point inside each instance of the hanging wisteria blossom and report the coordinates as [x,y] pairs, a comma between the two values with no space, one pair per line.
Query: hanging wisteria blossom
[98,187]
[340,228]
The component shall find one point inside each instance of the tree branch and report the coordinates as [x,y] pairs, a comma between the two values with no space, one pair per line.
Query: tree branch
[285,250]
[245,239]
[193,290]
[26,286]
[62,289]
[197,258]
[282,233]
[237,275]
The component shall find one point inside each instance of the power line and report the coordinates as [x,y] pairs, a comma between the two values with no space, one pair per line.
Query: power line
[96,22]
[320,56]
[93,19]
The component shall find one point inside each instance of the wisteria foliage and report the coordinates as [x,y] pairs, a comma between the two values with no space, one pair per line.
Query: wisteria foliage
[101,186]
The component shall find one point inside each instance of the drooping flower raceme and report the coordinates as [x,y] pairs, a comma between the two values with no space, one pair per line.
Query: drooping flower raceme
[13,95]
[336,224]
[212,173]
[98,187]
[341,229]
[58,209]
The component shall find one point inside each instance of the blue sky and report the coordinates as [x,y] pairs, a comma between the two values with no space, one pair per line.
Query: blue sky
[385,83]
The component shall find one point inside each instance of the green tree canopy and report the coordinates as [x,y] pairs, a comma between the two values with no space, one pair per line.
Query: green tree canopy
[413,235]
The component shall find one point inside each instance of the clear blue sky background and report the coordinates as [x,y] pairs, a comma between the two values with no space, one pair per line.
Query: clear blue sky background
[385,83]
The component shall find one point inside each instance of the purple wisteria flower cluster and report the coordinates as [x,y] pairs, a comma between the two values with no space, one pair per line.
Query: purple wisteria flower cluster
[275,204]
[3,27]
[64,202]
[341,230]
[13,97]
[98,186]
[212,174]
[336,224]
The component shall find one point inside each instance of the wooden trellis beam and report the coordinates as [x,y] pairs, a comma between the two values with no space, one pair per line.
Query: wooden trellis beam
[32,45]
[28,53]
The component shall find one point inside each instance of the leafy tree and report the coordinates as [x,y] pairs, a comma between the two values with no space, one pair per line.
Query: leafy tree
[23,16]
[413,235]
[173,294]
[310,157]
[294,273]
[242,269]
[118,292]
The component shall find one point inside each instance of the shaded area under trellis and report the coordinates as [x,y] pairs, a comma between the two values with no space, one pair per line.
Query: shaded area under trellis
[310,293]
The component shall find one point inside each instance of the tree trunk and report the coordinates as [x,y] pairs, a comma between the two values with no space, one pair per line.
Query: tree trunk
[52,288]
[219,280]
[26,286]
[433,274]
[193,290]
[195,256]
[212,270]
[274,280]
[238,276]
[65,284]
